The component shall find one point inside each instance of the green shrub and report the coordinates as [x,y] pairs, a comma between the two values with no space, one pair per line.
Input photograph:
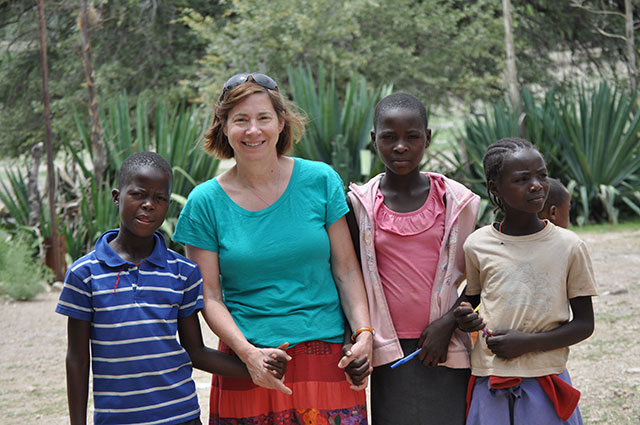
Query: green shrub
[22,275]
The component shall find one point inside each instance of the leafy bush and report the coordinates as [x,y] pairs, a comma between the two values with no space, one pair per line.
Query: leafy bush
[22,275]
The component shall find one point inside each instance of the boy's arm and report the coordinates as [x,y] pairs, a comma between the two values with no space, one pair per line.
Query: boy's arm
[217,362]
[77,365]
[511,343]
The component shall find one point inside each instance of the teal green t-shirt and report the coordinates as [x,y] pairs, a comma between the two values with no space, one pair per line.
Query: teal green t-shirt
[275,267]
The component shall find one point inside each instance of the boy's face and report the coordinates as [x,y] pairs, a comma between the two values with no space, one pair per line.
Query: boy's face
[400,138]
[143,201]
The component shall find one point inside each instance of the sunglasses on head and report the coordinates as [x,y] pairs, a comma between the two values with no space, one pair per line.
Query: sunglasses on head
[261,79]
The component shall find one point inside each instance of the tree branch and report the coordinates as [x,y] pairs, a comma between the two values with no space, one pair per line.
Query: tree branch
[596,12]
[607,34]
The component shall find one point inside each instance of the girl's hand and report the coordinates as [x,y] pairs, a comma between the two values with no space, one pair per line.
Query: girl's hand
[435,342]
[277,363]
[467,319]
[508,344]
[256,361]
[361,353]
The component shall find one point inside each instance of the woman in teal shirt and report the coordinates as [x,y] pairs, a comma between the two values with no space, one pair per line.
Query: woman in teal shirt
[278,266]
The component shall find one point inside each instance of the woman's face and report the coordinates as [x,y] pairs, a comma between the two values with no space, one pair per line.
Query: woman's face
[253,127]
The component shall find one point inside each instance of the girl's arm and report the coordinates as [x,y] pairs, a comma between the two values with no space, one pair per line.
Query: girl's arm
[222,324]
[435,338]
[77,365]
[353,298]
[511,343]
[217,362]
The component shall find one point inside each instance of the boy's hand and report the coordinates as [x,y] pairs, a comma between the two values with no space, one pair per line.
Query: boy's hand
[467,319]
[434,342]
[358,370]
[277,361]
[256,364]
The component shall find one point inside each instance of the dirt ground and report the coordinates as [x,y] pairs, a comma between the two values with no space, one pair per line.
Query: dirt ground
[606,367]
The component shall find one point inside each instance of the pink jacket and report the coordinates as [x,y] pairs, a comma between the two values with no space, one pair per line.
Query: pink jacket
[461,210]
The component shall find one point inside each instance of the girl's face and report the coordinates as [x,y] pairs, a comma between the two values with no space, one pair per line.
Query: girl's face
[522,185]
[253,127]
[401,138]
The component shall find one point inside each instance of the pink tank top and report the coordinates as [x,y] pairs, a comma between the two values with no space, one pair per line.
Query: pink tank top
[407,251]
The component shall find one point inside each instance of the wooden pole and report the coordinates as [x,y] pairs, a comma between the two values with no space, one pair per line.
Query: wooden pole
[49,143]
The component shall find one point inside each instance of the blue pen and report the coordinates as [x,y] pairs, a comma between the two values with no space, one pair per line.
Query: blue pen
[406,359]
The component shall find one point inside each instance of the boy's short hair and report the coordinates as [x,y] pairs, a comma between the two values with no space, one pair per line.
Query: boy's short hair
[400,101]
[557,194]
[143,159]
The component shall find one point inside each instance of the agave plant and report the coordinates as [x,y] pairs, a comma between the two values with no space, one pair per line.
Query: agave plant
[600,145]
[175,133]
[338,131]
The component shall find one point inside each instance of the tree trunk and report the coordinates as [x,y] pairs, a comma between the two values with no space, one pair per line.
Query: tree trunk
[631,49]
[98,148]
[33,193]
[57,255]
[512,75]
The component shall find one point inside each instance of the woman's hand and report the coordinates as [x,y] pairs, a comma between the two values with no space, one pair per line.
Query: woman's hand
[257,361]
[356,361]
[277,363]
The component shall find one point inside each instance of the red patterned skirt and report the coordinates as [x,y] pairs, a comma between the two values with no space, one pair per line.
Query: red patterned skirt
[321,394]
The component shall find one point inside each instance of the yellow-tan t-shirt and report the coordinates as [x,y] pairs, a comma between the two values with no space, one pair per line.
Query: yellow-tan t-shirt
[525,283]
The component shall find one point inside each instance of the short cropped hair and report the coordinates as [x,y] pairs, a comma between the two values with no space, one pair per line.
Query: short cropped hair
[217,143]
[139,160]
[557,194]
[400,101]
[493,161]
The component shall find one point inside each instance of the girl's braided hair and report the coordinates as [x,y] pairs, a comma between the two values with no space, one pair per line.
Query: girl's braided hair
[493,161]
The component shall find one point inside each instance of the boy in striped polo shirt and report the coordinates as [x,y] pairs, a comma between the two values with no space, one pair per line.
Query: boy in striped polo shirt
[128,298]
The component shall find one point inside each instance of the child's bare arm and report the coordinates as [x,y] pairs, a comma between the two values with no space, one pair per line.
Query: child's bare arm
[217,362]
[435,338]
[510,343]
[77,366]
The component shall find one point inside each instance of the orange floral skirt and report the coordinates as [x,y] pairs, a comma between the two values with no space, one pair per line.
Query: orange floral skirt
[321,394]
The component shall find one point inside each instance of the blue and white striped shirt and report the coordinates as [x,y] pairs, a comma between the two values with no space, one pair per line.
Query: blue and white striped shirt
[141,373]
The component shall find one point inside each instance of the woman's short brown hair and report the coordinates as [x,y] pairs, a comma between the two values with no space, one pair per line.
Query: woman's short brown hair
[216,141]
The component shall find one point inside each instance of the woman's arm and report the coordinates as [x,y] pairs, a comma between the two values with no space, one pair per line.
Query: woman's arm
[353,298]
[77,365]
[511,343]
[222,324]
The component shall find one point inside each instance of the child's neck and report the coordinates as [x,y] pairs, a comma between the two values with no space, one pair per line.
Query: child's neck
[521,224]
[132,249]
[405,193]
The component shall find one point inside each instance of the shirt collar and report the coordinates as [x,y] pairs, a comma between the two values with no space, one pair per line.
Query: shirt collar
[107,255]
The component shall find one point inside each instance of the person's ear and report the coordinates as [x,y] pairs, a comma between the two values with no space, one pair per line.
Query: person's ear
[280,125]
[493,188]
[373,139]
[553,212]
[115,197]
[428,138]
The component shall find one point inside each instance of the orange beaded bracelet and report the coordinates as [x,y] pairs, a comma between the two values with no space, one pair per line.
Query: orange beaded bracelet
[360,330]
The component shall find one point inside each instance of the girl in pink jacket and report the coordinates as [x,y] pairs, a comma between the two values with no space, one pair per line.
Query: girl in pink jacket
[408,227]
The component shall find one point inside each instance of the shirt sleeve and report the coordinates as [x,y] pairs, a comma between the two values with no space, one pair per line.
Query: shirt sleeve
[192,227]
[76,299]
[473,270]
[336,200]
[192,300]
[580,277]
